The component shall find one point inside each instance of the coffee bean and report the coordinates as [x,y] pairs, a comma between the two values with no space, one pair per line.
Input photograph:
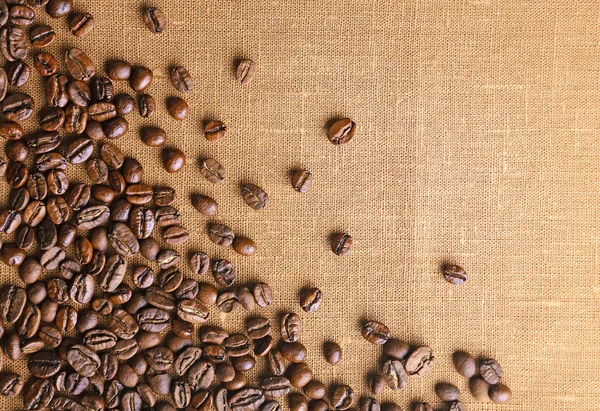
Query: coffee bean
[377,384]
[58,8]
[396,349]
[155,20]
[17,107]
[341,244]
[244,246]
[153,136]
[87,320]
[276,386]
[207,294]
[25,240]
[457,406]
[12,303]
[36,294]
[175,235]
[81,24]
[146,105]
[245,298]
[419,362]
[16,174]
[52,120]
[79,64]
[297,402]
[9,221]
[490,371]
[182,394]
[9,130]
[21,15]
[290,326]
[187,290]
[69,269]
[79,150]
[262,294]
[228,302]
[200,375]
[115,127]
[421,406]
[30,271]
[223,273]
[39,394]
[369,404]
[82,288]
[56,90]
[394,374]
[102,111]
[79,93]
[113,394]
[220,234]
[42,36]
[112,274]
[302,180]
[152,319]
[375,332]
[16,151]
[181,79]
[254,196]
[215,130]
[311,299]
[11,384]
[141,222]
[258,327]
[447,392]
[47,236]
[123,324]
[14,43]
[224,372]
[202,401]
[169,279]
[173,159]
[293,351]
[146,394]
[246,71]
[332,352]
[318,405]
[92,216]
[97,170]
[342,131]
[177,108]
[44,364]
[464,363]
[299,374]
[45,63]
[186,359]
[160,298]
[42,141]
[12,346]
[192,311]
[123,240]
[237,345]
[79,196]
[212,170]
[17,72]
[500,394]
[103,194]
[199,263]
[167,258]
[212,334]
[455,274]
[76,118]
[37,186]
[342,397]
[118,70]
[66,319]
[124,104]
[140,78]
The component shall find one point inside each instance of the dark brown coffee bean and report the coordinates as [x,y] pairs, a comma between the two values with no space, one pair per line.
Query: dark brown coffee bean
[140,78]
[58,8]
[12,346]
[237,345]
[139,194]
[167,258]
[102,111]
[258,327]
[290,327]
[377,384]
[17,72]
[275,362]
[99,238]
[127,376]
[153,319]
[212,334]
[121,294]
[464,363]
[143,276]
[50,335]
[48,309]
[262,294]
[97,170]
[244,246]
[155,20]
[9,130]
[396,349]
[250,399]
[167,216]
[12,303]
[220,234]
[160,358]
[299,374]
[66,319]
[118,70]
[207,294]
[212,170]
[11,384]
[181,79]
[99,340]
[92,216]
[203,401]
[490,371]
[37,186]
[153,136]
[83,360]
[146,394]
[69,269]
[9,221]
[112,274]
[192,311]
[94,130]
[447,392]
[141,222]
[223,273]
[419,362]
[114,157]
[293,351]
[19,199]
[455,274]
[246,71]
[39,395]
[123,241]
[16,151]
[133,172]
[375,332]
[182,394]
[342,131]
[47,236]
[52,120]
[17,106]
[81,24]
[121,210]
[159,298]
[42,36]
[79,196]
[169,279]
[87,320]
[44,364]
[186,359]
[176,343]
[103,194]
[500,394]
[302,180]
[246,299]
[79,93]
[239,381]
[124,104]
[215,130]
[228,302]
[82,288]
[341,244]
[160,384]
[21,15]
[173,159]
[45,63]
[14,43]
[254,196]
[146,105]
[30,271]
[57,290]
[164,196]
[123,324]
[36,294]
[79,64]
[457,406]
[3,81]
[113,393]
[394,374]
[42,141]
[75,119]
[342,397]
[276,386]
[56,90]
[204,204]
[58,182]
[79,150]
[200,375]
[25,238]
[16,174]
[181,328]
[332,352]
[177,108]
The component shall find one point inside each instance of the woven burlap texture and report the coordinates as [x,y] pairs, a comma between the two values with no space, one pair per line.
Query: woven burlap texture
[477,144]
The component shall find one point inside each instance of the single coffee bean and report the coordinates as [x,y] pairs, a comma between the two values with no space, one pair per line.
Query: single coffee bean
[79,150]
[159,298]
[83,360]
[237,345]
[464,363]
[42,141]
[17,72]
[39,394]
[66,319]
[220,234]
[140,78]
[246,71]
[155,20]
[97,170]
[48,309]
[246,298]
[290,326]
[311,299]
[490,371]
[254,196]
[207,294]
[58,8]
[30,271]
[149,248]
[121,211]
[56,90]
[199,263]
[293,351]
[302,180]
[143,276]
[50,335]
[332,352]
[47,236]
[9,221]
[479,389]
[342,131]
[12,346]
[69,269]
[82,288]
[12,303]
[447,392]
[173,160]
[76,118]
[37,186]
[247,399]
[123,240]
[152,319]
[223,273]
[118,70]
[419,362]
[19,199]
[87,320]
[159,358]
[243,364]
[175,235]
[204,204]
[500,394]
[14,43]
[167,258]
[258,327]
[127,376]
[342,397]
[17,106]
[394,374]
[102,111]
[297,402]
[181,79]
[212,334]
[181,328]
[153,136]
[103,194]
[377,384]
[146,394]
[92,216]
[146,105]
[57,290]
[262,294]
[164,196]
[299,374]
[228,302]
[79,196]
[318,405]
[276,386]
[44,364]
[123,324]
[3,82]
[124,104]
[212,170]
[79,64]
[11,384]
[186,359]
[375,332]
[79,93]
[455,274]
[457,406]
[221,402]
[177,108]
[25,239]
[369,404]
[16,151]
[275,362]
[192,311]
[81,24]
[215,130]
[36,294]
[341,244]
[45,63]
[16,174]
[396,348]
[112,274]
[141,222]
[224,372]
[21,15]
[9,130]
[244,246]
[133,172]
[182,394]
[52,120]
[120,295]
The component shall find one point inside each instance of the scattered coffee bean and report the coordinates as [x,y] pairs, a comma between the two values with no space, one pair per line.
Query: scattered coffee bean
[220,234]
[17,73]
[140,78]
[377,384]
[464,363]
[153,136]
[342,131]
[204,204]
[79,65]
[369,404]
[419,362]
[246,71]
[45,63]
[310,299]
[244,246]
[155,20]
[332,352]
[173,160]
[14,43]
[500,394]
[290,327]
[342,397]
[302,180]
[254,196]
[375,332]
[212,170]
[181,79]
[447,392]
[394,374]
[81,24]
[341,244]
[455,274]
[395,348]
[490,371]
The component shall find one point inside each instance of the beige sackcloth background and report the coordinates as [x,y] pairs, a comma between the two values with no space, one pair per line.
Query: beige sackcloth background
[477,144]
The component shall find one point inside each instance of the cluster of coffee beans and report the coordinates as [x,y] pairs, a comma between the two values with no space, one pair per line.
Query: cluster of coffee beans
[485,385]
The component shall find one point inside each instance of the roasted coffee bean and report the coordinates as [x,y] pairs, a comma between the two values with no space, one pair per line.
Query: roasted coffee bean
[202,401]
[447,392]
[143,276]
[94,130]
[14,43]
[16,174]
[223,273]
[30,271]
[113,156]
[147,340]
[113,394]
[121,294]
[19,199]
[103,193]
[342,131]
[464,363]
[102,111]
[160,358]
[332,352]
[48,309]
[457,406]
[79,196]
[228,302]
[17,72]
[57,290]
[239,381]
[290,327]
[204,204]
[45,63]
[155,20]
[377,384]
[87,320]
[79,93]
[262,294]
[12,303]
[243,363]
[153,136]
[212,334]
[258,327]
[394,374]
[127,376]
[56,90]
[39,394]
[500,394]
[341,244]
[153,319]
[254,196]
[146,105]
[50,335]
[455,274]
[58,182]
[215,130]
[133,172]
[140,78]
[479,389]
[249,399]
[167,216]
[12,346]
[276,386]
[82,288]
[79,150]
[237,345]
[11,384]
[186,359]
[146,394]
[17,106]
[181,328]
[176,343]
[164,196]
[167,258]
[192,311]
[9,221]
[244,246]
[25,240]
[181,79]
[52,120]
[182,394]
[297,402]
[17,151]
[116,181]
[102,90]
[173,159]
[9,130]
[69,269]
[160,383]
[44,364]
[159,298]
[220,234]
[302,180]
[246,299]
[224,372]
[246,71]
[81,24]
[118,70]
[169,279]
[71,383]
[36,294]
[177,108]
[99,238]
[369,404]
[47,236]
[66,318]
[75,119]
[11,255]
[419,362]
[37,186]
[293,351]
[122,240]
[490,371]
[299,374]
[97,170]
[58,8]
[121,210]
[21,15]
[124,104]
[212,170]
[123,324]
[375,332]
[396,348]
[141,221]
[79,64]
[207,294]
[342,397]
[112,274]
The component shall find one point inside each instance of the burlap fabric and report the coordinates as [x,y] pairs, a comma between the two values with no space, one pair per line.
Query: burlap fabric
[476,144]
